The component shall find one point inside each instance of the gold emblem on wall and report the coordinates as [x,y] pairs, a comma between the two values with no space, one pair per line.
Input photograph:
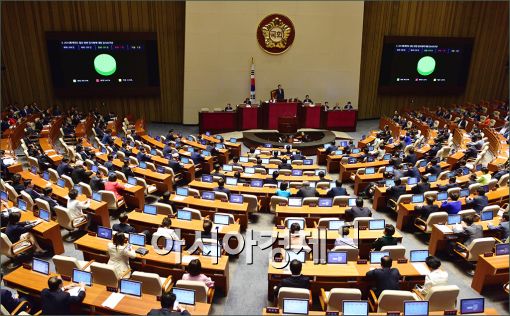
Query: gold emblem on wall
[275,33]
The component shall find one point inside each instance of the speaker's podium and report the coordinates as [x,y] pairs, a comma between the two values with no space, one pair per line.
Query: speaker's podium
[287,124]
[269,112]
[247,116]
[309,115]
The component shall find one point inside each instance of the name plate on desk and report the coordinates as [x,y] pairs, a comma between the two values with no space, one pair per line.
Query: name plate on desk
[92,234]
[280,226]
[332,314]
[65,277]
[272,310]
[362,228]
[393,313]
[402,260]
[111,289]
[450,312]
[488,254]
[362,261]
[27,266]
[312,204]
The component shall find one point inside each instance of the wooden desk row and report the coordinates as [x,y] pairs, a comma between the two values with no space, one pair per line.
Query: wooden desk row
[33,283]
[174,264]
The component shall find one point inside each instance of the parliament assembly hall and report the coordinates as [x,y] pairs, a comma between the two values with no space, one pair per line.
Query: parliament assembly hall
[254,158]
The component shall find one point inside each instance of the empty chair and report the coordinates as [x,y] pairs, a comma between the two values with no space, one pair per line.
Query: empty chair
[443,153]
[396,252]
[297,162]
[474,187]
[493,208]
[430,193]
[32,162]
[390,300]
[324,222]
[477,247]
[492,183]
[218,109]
[111,201]
[150,166]
[453,190]
[295,185]
[28,200]
[149,189]
[71,224]
[277,200]
[121,175]
[12,195]
[220,196]
[290,292]
[285,172]
[64,265]
[352,253]
[442,297]
[42,204]
[342,200]
[274,161]
[260,170]
[253,202]
[270,185]
[204,110]
[85,189]
[231,219]
[195,214]
[103,170]
[322,185]
[503,181]
[68,181]
[152,283]
[104,274]
[434,218]
[361,221]
[202,292]
[310,200]
[133,160]
[404,198]
[193,192]
[162,208]
[53,175]
[331,301]
[465,213]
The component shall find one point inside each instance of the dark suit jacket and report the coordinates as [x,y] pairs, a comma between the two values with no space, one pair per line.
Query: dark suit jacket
[336,192]
[271,181]
[80,175]
[297,281]
[307,192]
[286,166]
[96,184]
[355,211]
[426,210]
[167,312]
[280,94]
[175,165]
[124,228]
[434,169]
[413,173]
[58,302]
[478,203]
[385,279]
[8,301]
[224,190]
[396,191]
[384,241]
[50,201]
[411,158]
[420,188]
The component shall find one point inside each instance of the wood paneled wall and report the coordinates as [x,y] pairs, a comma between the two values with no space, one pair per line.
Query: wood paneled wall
[487,22]
[25,68]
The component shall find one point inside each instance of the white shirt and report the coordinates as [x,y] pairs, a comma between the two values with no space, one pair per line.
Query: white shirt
[435,278]
[167,233]
[76,208]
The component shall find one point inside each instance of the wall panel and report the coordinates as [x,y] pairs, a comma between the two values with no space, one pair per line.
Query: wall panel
[25,70]
[487,22]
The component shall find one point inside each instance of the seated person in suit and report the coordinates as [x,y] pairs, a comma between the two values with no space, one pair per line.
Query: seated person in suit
[126,170]
[307,191]
[47,197]
[307,99]
[217,172]
[433,168]
[337,107]
[396,191]
[435,277]
[337,190]
[259,164]
[358,210]
[235,161]
[17,231]
[207,226]
[387,239]
[165,199]
[452,183]
[221,187]
[29,188]
[64,167]
[55,300]
[297,156]
[109,164]
[247,101]
[123,226]
[197,158]
[96,183]
[411,157]
[421,187]
[10,300]
[471,231]
[322,177]
[283,190]
[167,307]
[17,184]
[428,208]
[479,201]
[348,106]
[229,108]
[273,178]
[79,174]
[141,155]
[412,172]
[386,277]
[195,273]
[296,280]
[454,206]
[502,227]
[237,175]
[502,170]
[285,164]
[331,148]
[344,239]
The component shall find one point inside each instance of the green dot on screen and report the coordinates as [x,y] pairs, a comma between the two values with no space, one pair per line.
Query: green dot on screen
[426,65]
[105,64]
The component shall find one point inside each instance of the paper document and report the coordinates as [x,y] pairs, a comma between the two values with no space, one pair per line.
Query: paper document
[445,229]
[74,291]
[179,198]
[421,267]
[112,300]
[187,259]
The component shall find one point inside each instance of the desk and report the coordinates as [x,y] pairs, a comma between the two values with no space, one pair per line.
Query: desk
[311,214]
[99,209]
[217,122]
[488,311]
[339,120]
[348,275]
[142,221]
[309,116]
[406,210]
[247,117]
[442,234]
[347,169]
[270,112]
[46,233]
[209,207]
[33,283]
[490,271]
[170,264]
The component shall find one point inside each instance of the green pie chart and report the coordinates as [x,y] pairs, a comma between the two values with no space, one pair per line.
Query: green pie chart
[426,65]
[105,64]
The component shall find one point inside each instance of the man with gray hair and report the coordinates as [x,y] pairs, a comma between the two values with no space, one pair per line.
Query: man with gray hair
[307,191]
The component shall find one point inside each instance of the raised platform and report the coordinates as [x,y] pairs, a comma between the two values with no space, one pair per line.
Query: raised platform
[316,138]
